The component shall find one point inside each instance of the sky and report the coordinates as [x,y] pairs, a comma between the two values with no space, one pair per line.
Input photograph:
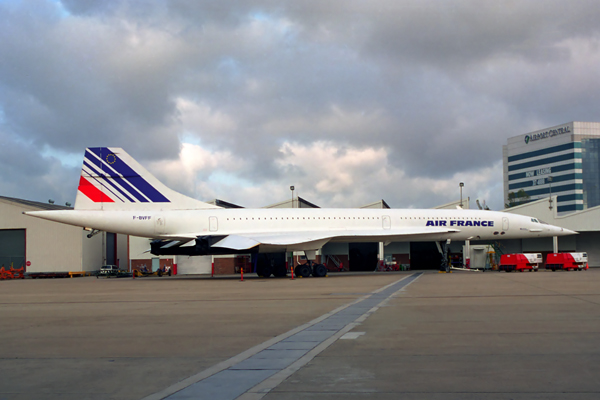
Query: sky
[349,101]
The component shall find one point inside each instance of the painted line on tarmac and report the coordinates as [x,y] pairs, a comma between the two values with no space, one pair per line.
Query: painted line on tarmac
[251,374]
[387,292]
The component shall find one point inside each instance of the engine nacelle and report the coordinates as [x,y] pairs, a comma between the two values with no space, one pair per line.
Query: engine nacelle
[202,247]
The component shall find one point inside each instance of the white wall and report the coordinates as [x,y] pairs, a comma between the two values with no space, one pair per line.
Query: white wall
[138,248]
[50,246]
[92,252]
[192,265]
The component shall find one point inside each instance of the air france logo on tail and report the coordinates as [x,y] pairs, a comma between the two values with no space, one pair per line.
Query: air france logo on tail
[458,222]
[106,178]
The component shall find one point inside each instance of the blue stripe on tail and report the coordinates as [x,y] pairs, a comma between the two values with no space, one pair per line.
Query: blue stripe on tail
[124,175]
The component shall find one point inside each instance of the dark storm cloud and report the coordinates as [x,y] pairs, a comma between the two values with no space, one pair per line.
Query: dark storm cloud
[27,174]
[431,89]
[69,82]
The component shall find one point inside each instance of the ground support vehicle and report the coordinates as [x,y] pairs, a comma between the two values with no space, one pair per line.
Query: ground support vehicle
[384,266]
[112,270]
[567,261]
[520,262]
[12,273]
[108,270]
[44,275]
[145,272]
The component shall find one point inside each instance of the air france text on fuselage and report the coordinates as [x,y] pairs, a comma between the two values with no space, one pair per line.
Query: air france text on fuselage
[458,222]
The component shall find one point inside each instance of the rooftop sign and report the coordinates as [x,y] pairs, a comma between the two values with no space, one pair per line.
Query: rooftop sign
[547,134]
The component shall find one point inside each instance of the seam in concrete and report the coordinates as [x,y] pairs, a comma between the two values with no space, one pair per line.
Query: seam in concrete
[258,348]
[261,390]
[242,356]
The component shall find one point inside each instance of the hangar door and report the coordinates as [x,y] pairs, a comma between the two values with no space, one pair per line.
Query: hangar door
[12,248]
[362,256]
[424,255]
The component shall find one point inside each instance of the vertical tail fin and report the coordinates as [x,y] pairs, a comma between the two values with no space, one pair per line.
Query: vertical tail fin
[112,180]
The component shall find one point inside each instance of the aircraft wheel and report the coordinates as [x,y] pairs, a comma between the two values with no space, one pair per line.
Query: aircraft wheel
[304,270]
[268,271]
[319,271]
[280,271]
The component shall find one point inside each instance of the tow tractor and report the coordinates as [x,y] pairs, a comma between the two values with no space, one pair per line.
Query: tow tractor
[567,261]
[520,262]
[145,272]
[112,270]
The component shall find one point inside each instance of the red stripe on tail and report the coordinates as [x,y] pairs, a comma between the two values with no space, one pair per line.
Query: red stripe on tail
[92,192]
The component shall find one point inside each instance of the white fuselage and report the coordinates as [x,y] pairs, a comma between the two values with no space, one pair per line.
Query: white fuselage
[117,194]
[466,224]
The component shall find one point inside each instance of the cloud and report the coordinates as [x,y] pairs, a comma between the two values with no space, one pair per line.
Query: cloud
[353,101]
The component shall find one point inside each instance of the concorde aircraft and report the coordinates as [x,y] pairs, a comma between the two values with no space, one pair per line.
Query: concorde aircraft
[117,194]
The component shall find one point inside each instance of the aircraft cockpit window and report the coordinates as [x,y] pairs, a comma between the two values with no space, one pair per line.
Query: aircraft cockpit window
[535,220]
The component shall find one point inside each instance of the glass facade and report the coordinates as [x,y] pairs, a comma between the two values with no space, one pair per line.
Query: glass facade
[562,161]
[590,160]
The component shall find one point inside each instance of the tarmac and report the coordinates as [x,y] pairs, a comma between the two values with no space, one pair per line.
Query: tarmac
[407,335]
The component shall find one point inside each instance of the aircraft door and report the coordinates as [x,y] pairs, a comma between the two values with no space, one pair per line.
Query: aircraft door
[160,224]
[213,224]
[387,222]
[504,224]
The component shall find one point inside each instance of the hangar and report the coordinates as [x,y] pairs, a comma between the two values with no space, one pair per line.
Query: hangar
[45,246]
[585,222]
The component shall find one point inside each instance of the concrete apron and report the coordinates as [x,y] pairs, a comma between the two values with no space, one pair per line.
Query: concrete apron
[252,374]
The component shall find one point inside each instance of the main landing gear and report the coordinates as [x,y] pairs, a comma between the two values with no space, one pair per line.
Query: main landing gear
[445,264]
[265,271]
[267,264]
[310,268]
[305,270]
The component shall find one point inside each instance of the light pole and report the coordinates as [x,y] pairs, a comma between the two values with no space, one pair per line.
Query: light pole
[550,197]
[290,263]
[461,186]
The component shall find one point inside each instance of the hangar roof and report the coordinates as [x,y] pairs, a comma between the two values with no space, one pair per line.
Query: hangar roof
[298,202]
[451,206]
[580,221]
[378,204]
[224,204]
[36,204]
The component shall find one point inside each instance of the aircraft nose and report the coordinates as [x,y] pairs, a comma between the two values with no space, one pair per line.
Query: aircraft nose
[563,231]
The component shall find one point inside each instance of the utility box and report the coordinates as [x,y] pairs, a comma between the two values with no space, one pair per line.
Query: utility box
[479,256]
[520,262]
[194,265]
[567,261]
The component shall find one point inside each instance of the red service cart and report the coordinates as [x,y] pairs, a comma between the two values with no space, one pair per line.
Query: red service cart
[567,261]
[520,262]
